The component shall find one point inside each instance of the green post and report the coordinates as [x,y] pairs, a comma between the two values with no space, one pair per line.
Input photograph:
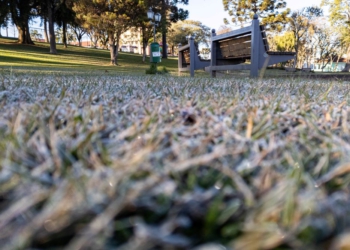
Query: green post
[155,53]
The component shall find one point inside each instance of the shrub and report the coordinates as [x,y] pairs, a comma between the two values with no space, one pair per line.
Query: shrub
[153,70]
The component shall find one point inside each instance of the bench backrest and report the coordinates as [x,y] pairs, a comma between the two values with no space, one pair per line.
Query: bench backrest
[235,47]
[186,57]
[185,53]
[189,58]
[264,38]
[239,44]
[230,50]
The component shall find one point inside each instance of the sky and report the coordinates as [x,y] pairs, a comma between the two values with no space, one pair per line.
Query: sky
[211,12]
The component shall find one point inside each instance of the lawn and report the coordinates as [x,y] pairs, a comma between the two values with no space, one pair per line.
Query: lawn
[162,162]
[81,60]
[91,159]
[74,59]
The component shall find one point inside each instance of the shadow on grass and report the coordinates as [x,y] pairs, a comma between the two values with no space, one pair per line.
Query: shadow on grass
[28,57]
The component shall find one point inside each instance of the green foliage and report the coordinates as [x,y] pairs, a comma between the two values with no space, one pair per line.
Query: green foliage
[21,12]
[285,42]
[4,17]
[302,24]
[339,16]
[243,11]
[110,17]
[165,70]
[153,70]
[179,32]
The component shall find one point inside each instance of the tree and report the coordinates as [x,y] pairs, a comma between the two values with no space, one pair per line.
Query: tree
[284,42]
[205,52]
[43,13]
[64,15]
[94,36]
[142,23]
[47,10]
[56,12]
[21,12]
[301,23]
[243,11]
[339,13]
[329,47]
[51,7]
[179,32]
[35,35]
[339,17]
[113,17]
[79,32]
[44,22]
[176,14]
[4,15]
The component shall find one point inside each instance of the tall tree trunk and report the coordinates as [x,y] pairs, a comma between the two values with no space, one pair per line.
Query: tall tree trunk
[27,35]
[94,39]
[111,48]
[53,49]
[95,42]
[116,51]
[164,29]
[144,47]
[165,49]
[145,39]
[45,30]
[23,34]
[64,37]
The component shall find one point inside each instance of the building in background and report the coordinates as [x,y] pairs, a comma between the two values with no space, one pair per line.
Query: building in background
[130,41]
[334,65]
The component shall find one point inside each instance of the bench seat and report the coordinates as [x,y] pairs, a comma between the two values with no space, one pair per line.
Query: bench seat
[280,53]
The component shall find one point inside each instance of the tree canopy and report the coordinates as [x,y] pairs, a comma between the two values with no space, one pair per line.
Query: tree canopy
[339,16]
[243,11]
[21,12]
[112,17]
[301,24]
[285,42]
[180,31]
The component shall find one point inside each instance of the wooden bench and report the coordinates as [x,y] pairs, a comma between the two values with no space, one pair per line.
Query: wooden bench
[189,59]
[232,50]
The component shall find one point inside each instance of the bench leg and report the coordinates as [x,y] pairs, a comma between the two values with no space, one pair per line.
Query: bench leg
[213,73]
[191,71]
[193,55]
[255,48]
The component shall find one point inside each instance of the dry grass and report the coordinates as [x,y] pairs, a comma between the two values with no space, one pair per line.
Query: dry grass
[173,163]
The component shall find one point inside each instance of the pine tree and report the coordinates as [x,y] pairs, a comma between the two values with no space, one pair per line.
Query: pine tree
[242,11]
